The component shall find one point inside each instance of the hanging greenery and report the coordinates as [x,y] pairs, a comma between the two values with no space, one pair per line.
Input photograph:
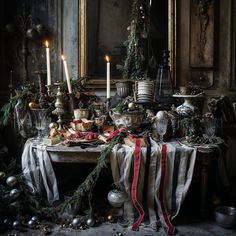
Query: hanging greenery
[136,62]
[25,93]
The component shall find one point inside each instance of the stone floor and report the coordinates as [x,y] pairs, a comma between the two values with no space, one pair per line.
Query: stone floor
[192,226]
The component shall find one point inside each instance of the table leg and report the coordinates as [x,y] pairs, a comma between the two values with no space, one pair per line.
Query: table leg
[206,161]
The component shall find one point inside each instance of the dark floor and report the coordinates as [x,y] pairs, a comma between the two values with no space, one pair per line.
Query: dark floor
[186,226]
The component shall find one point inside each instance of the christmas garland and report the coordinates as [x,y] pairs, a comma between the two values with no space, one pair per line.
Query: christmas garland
[87,186]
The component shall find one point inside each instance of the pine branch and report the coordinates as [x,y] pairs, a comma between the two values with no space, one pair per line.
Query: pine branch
[87,186]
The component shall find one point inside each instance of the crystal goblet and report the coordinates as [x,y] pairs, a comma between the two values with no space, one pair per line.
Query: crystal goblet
[99,122]
[161,126]
[210,127]
[40,118]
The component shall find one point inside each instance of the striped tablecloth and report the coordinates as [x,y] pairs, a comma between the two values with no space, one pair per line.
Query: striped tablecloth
[162,181]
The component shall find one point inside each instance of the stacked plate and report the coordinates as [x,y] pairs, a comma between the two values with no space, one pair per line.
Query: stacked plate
[145,91]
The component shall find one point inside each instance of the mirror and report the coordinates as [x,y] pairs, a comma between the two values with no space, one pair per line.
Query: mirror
[103,31]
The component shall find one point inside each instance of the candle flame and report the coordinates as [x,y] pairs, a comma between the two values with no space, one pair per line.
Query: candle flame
[46,44]
[63,57]
[107,58]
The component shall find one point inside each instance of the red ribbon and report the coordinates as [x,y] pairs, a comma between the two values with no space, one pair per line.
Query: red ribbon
[134,184]
[116,132]
[170,227]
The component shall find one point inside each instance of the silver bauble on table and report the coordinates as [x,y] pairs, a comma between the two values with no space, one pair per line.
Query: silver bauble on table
[116,198]
[11,181]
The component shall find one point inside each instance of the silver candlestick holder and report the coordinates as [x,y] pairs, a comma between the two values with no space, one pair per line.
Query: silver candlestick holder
[108,104]
[60,105]
[49,90]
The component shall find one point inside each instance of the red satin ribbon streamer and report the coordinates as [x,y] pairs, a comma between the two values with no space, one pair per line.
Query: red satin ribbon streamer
[137,150]
[170,227]
[116,132]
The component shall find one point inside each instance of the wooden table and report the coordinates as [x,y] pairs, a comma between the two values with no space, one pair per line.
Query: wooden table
[75,154]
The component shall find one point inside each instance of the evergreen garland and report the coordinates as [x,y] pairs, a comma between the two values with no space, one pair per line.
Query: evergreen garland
[136,62]
[87,186]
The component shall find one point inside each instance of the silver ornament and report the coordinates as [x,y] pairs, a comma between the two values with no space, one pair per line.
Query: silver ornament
[116,198]
[16,224]
[35,218]
[7,222]
[90,222]
[31,224]
[14,193]
[11,181]
[2,174]
[75,221]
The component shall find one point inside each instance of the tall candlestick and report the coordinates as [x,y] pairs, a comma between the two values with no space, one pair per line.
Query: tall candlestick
[67,74]
[49,81]
[108,78]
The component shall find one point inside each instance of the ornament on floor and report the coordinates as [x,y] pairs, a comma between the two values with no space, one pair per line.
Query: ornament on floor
[35,219]
[76,222]
[90,221]
[7,222]
[16,224]
[116,198]
[119,234]
[47,229]
[11,181]
[31,224]
[14,193]
[111,218]
[2,174]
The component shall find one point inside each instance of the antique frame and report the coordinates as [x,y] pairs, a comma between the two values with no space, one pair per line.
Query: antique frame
[233,47]
[83,41]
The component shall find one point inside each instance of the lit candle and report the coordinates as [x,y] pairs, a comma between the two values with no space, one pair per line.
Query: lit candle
[108,78]
[49,81]
[67,74]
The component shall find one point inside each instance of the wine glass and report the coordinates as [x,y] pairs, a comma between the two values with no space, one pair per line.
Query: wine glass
[40,117]
[161,126]
[210,127]
[99,122]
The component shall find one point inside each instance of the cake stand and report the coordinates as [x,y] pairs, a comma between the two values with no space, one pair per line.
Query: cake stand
[187,109]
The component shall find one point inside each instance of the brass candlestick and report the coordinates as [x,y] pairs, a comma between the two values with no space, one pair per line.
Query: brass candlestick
[59,104]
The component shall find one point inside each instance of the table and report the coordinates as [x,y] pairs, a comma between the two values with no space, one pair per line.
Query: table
[76,154]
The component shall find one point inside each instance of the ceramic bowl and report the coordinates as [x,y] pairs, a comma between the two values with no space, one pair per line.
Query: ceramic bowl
[225,216]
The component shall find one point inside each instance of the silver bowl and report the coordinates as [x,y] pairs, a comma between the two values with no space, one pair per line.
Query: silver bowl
[129,120]
[225,216]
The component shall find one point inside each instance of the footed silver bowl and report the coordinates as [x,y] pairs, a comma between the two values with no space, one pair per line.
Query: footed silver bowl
[128,120]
